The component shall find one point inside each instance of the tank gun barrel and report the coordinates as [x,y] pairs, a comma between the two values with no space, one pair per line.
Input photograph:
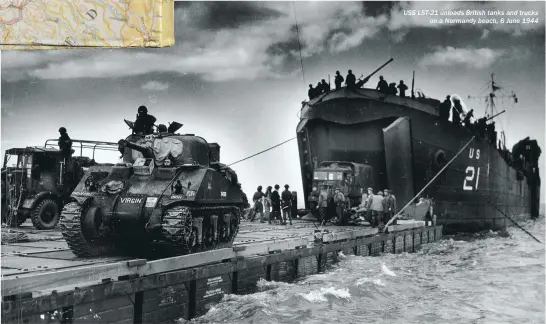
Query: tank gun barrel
[147,152]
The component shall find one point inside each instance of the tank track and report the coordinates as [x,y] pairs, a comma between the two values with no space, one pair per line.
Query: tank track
[178,231]
[177,236]
[70,224]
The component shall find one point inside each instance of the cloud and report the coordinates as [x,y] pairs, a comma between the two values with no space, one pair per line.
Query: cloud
[155,86]
[259,40]
[400,17]
[477,58]
[485,34]
[222,41]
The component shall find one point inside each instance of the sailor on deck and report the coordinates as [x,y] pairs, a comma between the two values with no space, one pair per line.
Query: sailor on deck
[382,85]
[338,80]
[350,80]
[392,89]
[457,111]
[325,86]
[444,109]
[402,88]
[312,92]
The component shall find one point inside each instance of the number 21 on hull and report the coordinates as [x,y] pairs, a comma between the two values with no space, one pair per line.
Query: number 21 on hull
[472,173]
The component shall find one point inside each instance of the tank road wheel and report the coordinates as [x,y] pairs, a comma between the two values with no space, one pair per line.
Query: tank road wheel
[82,235]
[45,215]
[209,243]
[176,231]
[229,227]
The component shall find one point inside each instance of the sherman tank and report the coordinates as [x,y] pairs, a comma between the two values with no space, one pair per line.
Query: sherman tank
[170,196]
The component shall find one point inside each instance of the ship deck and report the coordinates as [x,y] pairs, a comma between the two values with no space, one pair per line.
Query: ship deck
[41,275]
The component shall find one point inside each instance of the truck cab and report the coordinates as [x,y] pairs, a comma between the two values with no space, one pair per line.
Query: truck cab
[351,178]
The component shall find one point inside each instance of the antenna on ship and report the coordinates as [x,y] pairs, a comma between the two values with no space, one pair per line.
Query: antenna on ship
[412,84]
[491,107]
[299,45]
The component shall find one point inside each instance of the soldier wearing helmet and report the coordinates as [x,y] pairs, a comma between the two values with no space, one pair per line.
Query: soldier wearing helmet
[65,143]
[144,123]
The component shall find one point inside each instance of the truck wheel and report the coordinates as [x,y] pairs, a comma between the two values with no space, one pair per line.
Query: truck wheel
[45,215]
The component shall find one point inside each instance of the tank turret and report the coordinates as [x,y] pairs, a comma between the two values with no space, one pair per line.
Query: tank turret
[147,152]
[170,196]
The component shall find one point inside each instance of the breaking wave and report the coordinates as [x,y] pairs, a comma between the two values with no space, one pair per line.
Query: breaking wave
[483,278]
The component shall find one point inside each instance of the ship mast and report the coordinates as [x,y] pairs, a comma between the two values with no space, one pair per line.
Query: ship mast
[491,108]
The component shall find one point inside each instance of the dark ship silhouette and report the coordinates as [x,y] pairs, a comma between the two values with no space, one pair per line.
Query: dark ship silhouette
[387,141]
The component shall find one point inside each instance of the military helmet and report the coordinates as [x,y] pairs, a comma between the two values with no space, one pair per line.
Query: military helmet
[62,130]
[142,109]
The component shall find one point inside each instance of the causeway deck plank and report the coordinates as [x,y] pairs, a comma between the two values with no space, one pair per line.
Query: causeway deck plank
[47,251]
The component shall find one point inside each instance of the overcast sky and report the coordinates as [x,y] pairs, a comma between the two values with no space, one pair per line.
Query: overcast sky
[234,75]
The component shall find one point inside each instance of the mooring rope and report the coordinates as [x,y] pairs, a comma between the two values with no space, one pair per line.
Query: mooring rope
[262,151]
[503,214]
[430,182]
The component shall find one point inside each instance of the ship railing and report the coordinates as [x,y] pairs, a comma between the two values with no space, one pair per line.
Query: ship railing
[428,105]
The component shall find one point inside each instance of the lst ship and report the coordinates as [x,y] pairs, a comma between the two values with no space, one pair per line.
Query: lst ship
[401,143]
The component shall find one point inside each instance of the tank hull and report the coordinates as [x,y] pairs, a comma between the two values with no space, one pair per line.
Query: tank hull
[406,147]
[175,203]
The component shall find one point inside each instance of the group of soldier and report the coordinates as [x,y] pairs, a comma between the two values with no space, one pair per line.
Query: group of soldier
[479,126]
[351,84]
[379,208]
[390,88]
[329,205]
[332,206]
[272,204]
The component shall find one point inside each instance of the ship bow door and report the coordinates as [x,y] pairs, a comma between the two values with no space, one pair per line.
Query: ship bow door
[399,159]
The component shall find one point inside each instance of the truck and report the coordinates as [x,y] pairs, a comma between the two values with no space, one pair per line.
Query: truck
[36,181]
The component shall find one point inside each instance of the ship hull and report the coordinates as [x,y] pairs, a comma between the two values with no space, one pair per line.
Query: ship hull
[476,190]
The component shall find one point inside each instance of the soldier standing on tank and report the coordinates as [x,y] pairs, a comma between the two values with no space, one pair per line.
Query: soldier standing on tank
[350,80]
[338,80]
[276,203]
[144,123]
[286,198]
[402,87]
[258,205]
[382,85]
